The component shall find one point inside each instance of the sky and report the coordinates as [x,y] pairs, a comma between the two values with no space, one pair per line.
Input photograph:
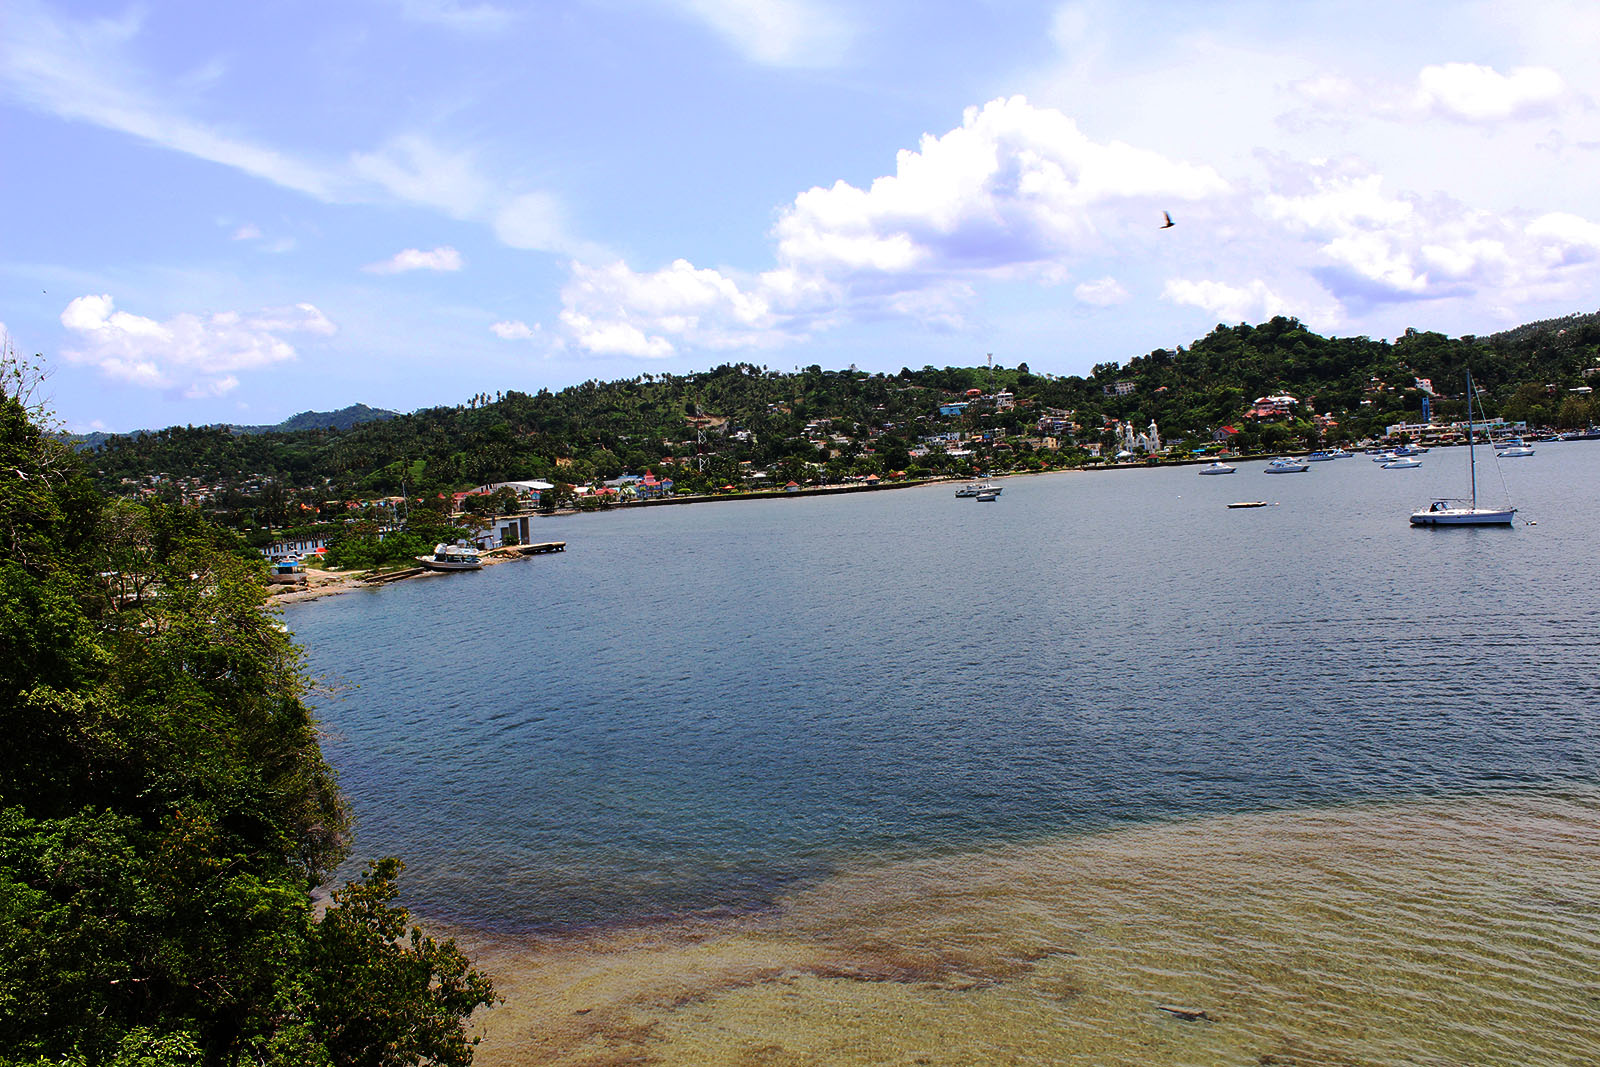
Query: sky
[236,212]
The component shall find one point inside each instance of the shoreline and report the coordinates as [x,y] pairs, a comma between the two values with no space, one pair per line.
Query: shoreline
[320,584]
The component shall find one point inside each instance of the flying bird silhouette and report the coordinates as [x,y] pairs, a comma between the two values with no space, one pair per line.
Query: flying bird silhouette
[1169,224]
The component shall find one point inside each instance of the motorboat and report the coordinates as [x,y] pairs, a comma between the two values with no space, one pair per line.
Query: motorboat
[988,496]
[1340,453]
[969,490]
[1249,504]
[1515,452]
[1319,456]
[1383,457]
[1401,463]
[1216,467]
[1285,465]
[1465,512]
[456,557]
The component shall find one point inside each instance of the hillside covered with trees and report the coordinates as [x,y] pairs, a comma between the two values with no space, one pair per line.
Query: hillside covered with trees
[165,809]
[714,428]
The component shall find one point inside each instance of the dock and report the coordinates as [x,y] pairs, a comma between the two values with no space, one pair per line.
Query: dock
[540,548]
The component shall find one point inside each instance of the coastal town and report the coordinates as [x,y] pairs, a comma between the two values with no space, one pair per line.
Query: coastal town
[912,434]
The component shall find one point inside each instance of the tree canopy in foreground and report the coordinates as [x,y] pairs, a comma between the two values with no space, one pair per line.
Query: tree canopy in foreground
[166,811]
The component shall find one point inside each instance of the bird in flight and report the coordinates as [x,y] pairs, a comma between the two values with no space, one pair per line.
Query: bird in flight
[1169,224]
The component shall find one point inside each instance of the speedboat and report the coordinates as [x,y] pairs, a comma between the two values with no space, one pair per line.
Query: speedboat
[1216,467]
[988,496]
[1383,457]
[452,558]
[1285,465]
[1401,463]
[1319,457]
[1515,452]
[1339,453]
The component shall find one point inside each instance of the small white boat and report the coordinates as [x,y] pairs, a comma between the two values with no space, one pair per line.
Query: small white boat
[988,496]
[1216,467]
[969,490]
[1401,463]
[1319,457]
[452,558]
[1284,465]
[1383,457]
[1515,452]
[1339,453]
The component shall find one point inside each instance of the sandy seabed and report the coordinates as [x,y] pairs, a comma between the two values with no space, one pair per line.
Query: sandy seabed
[1460,931]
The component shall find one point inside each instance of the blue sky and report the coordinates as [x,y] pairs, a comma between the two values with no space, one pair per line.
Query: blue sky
[226,212]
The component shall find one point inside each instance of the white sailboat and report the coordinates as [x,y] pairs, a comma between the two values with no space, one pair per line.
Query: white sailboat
[1465,512]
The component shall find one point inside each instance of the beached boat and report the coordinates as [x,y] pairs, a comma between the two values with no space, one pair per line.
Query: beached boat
[1216,467]
[1285,465]
[1465,512]
[452,558]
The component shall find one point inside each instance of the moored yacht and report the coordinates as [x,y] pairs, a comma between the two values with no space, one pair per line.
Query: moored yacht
[1216,467]
[1285,465]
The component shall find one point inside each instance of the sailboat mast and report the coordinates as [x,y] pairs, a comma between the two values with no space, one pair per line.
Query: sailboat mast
[1472,453]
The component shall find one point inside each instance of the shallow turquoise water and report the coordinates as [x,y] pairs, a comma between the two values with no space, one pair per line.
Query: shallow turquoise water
[699,707]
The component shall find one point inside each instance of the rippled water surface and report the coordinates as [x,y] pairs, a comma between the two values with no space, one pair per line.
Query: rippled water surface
[701,708]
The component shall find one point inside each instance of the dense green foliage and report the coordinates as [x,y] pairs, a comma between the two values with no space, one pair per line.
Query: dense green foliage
[822,426]
[165,810]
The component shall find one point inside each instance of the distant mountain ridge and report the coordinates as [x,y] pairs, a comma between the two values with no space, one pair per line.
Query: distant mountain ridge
[343,419]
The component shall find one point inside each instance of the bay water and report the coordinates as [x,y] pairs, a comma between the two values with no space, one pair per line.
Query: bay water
[1100,743]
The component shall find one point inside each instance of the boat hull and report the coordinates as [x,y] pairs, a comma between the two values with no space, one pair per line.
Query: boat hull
[1465,517]
[440,565]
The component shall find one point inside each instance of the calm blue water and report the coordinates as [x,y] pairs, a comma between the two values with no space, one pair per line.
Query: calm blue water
[697,707]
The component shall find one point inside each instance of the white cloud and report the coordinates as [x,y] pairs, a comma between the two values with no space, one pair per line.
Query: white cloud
[1013,185]
[248,232]
[613,310]
[1465,92]
[190,354]
[415,169]
[1474,93]
[1565,238]
[513,330]
[1014,193]
[443,258]
[1254,302]
[1102,292]
[76,69]
[80,70]
[782,33]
